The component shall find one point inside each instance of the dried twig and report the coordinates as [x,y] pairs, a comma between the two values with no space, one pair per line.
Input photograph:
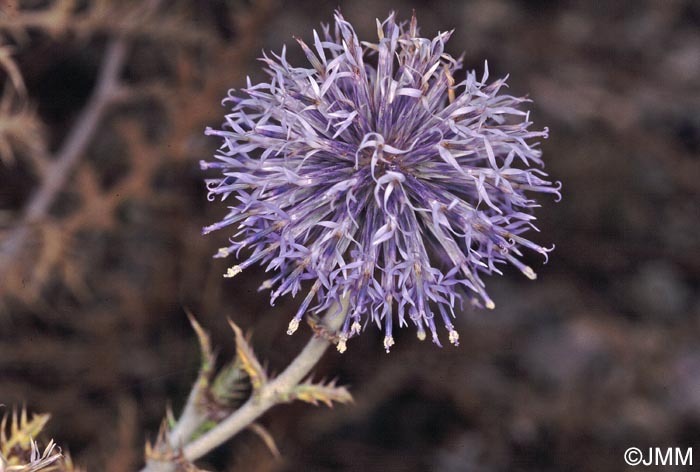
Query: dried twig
[62,165]
[130,19]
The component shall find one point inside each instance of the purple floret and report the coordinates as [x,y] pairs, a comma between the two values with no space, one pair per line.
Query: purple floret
[378,179]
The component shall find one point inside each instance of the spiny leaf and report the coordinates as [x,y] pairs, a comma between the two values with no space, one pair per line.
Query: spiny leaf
[249,363]
[208,357]
[22,430]
[267,438]
[197,401]
[325,393]
[170,419]
[8,63]
[19,452]
[161,451]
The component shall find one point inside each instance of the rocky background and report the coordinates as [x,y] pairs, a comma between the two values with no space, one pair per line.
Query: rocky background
[599,354]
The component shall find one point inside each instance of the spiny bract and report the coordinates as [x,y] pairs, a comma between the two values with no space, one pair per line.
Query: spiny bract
[378,179]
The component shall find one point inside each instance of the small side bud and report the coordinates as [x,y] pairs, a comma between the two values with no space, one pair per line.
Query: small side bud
[293,326]
[232,272]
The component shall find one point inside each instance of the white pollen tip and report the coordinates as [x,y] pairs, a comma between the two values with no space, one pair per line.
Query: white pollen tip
[232,272]
[490,305]
[223,252]
[421,335]
[355,328]
[293,326]
[388,342]
[454,337]
[342,344]
[266,285]
[529,273]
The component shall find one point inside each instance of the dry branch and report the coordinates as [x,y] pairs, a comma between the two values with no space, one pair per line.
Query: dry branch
[63,164]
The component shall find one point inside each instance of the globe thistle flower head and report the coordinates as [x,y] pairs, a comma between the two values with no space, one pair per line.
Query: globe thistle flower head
[374,176]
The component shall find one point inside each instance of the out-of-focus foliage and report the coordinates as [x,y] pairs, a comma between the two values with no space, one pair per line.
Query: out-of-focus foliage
[137,134]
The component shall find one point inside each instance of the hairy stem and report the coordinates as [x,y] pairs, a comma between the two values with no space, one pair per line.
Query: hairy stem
[190,420]
[273,393]
[270,395]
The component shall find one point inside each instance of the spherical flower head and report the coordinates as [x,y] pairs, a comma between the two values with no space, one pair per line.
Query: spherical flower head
[376,177]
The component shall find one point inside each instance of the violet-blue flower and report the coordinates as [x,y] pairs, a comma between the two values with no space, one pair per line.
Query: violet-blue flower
[378,179]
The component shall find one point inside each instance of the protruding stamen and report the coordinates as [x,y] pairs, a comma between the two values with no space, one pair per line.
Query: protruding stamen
[293,326]
[355,328]
[454,337]
[266,285]
[421,335]
[223,252]
[490,304]
[388,342]
[233,271]
[529,273]
[342,344]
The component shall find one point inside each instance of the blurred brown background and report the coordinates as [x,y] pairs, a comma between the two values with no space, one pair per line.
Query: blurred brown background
[600,354]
